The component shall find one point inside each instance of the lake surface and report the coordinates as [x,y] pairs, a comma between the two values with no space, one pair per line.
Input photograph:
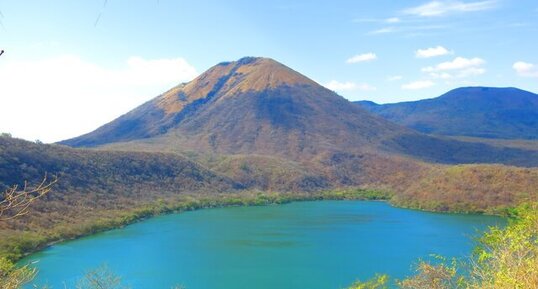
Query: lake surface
[314,245]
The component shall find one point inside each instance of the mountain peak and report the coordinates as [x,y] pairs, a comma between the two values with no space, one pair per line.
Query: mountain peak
[227,79]
[260,73]
[247,60]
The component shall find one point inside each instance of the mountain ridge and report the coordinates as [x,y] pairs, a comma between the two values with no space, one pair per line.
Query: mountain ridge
[487,112]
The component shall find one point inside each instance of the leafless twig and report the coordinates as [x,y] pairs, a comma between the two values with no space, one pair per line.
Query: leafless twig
[15,202]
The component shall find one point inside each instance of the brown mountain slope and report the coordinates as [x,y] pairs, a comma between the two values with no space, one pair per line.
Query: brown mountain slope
[259,106]
[254,105]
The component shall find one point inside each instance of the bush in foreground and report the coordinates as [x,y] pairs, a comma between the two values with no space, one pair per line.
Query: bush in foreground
[503,259]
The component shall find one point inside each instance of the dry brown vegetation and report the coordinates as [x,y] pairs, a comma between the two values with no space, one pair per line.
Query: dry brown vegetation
[486,188]
[471,188]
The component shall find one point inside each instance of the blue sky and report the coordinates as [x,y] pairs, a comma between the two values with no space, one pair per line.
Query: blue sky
[71,66]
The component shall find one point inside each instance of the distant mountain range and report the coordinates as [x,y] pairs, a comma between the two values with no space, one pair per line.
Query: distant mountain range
[257,106]
[486,112]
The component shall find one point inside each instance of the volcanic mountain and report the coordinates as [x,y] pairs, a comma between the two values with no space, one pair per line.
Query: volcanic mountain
[487,112]
[257,106]
[254,105]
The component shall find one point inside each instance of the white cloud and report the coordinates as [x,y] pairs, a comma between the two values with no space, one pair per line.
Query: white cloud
[432,52]
[419,84]
[392,20]
[56,98]
[460,67]
[410,30]
[394,78]
[382,31]
[362,58]
[348,86]
[340,86]
[440,8]
[458,63]
[525,69]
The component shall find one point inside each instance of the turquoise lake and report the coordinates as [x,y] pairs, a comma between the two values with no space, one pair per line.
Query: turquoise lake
[310,245]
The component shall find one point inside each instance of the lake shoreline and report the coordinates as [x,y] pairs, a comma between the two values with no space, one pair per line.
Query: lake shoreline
[353,239]
[194,202]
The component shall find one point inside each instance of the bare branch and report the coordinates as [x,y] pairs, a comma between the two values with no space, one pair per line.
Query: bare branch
[15,203]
